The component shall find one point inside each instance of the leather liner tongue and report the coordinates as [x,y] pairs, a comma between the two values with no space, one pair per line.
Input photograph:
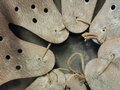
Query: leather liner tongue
[77,14]
[21,59]
[38,16]
[107,21]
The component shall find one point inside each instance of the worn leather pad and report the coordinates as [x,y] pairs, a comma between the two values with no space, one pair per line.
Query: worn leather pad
[20,59]
[110,47]
[53,81]
[57,80]
[38,16]
[107,22]
[74,83]
[77,14]
[108,80]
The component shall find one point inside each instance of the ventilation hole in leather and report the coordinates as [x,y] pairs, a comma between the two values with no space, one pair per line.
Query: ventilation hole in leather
[34,20]
[16,9]
[104,30]
[86,0]
[55,30]
[67,88]
[1,38]
[33,6]
[8,57]
[113,7]
[39,58]
[20,50]
[18,67]
[46,10]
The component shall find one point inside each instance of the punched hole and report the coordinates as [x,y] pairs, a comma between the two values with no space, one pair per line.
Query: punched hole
[67,88]
[7,57]
[46,10]
[33,6]
[34,20]
[1,38]
[86,0]
[16,9]
[76,17]
[20,50]
[104,29]
[55,30]
[18,67]
[113,7]
[39,58]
